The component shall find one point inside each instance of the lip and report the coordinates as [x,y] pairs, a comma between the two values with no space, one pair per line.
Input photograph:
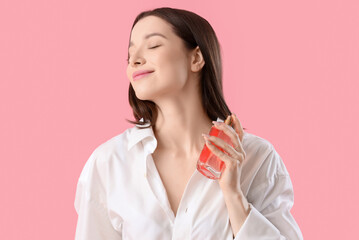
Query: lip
[141,73]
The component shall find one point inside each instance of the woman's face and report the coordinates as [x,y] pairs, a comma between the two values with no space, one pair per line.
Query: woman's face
[155,47]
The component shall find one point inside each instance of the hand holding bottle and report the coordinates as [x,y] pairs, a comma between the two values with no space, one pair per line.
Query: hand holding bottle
[233,156]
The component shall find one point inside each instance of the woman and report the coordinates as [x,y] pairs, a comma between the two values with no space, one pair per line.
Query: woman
[143,183]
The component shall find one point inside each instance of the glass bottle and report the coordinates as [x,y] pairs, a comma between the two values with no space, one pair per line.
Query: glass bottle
[209,164]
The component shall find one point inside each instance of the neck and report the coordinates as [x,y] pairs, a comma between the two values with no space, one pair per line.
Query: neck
[180,124]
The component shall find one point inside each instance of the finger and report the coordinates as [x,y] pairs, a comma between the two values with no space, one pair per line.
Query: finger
[229,162]
[225,146]
[231,133]
[238,127]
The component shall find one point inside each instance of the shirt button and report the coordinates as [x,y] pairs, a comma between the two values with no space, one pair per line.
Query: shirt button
[186,210]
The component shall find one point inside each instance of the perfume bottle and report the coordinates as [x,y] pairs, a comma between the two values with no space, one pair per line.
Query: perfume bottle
[209,164]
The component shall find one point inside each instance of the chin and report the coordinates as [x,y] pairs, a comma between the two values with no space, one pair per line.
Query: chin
[151,91]
[144,95]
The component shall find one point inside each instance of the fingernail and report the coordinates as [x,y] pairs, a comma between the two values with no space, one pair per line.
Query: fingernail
[205,135]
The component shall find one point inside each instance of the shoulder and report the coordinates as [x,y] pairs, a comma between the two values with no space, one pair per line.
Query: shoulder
[115,146]
[255,143]
[262,163]
[113,149]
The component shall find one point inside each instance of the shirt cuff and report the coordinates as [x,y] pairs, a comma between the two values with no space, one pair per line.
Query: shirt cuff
[258,227]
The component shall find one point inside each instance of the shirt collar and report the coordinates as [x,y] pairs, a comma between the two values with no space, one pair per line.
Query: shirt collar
[146,135]
[139,133]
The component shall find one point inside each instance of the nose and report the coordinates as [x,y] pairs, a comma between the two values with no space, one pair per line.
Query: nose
[137,60]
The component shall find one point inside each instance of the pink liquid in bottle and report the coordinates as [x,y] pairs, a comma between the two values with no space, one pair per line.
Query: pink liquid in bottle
[209,164]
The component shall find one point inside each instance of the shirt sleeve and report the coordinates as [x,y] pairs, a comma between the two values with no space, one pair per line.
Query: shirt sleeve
[93,222]
[270,216]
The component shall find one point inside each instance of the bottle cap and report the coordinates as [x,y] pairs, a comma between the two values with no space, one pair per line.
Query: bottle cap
[229,121]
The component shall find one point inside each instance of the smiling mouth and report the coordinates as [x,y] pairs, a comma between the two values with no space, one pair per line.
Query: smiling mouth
[141,76]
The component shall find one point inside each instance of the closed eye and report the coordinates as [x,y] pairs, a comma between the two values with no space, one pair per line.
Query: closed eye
[128,59]
[154,47]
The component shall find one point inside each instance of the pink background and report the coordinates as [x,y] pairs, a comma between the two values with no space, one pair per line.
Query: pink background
[291,71]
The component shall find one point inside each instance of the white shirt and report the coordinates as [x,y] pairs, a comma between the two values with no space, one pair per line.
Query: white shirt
[120,195]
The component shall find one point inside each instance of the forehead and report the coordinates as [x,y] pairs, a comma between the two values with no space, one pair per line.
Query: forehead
[150,24]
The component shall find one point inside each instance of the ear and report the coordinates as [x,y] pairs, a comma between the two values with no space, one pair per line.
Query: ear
[197,61]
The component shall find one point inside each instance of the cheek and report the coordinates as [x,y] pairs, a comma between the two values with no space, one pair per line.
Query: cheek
[128,73]
[173,67]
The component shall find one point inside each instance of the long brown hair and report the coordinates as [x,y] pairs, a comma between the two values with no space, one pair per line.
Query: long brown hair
[194,31]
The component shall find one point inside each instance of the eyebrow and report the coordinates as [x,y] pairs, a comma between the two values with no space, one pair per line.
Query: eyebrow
[148,36]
